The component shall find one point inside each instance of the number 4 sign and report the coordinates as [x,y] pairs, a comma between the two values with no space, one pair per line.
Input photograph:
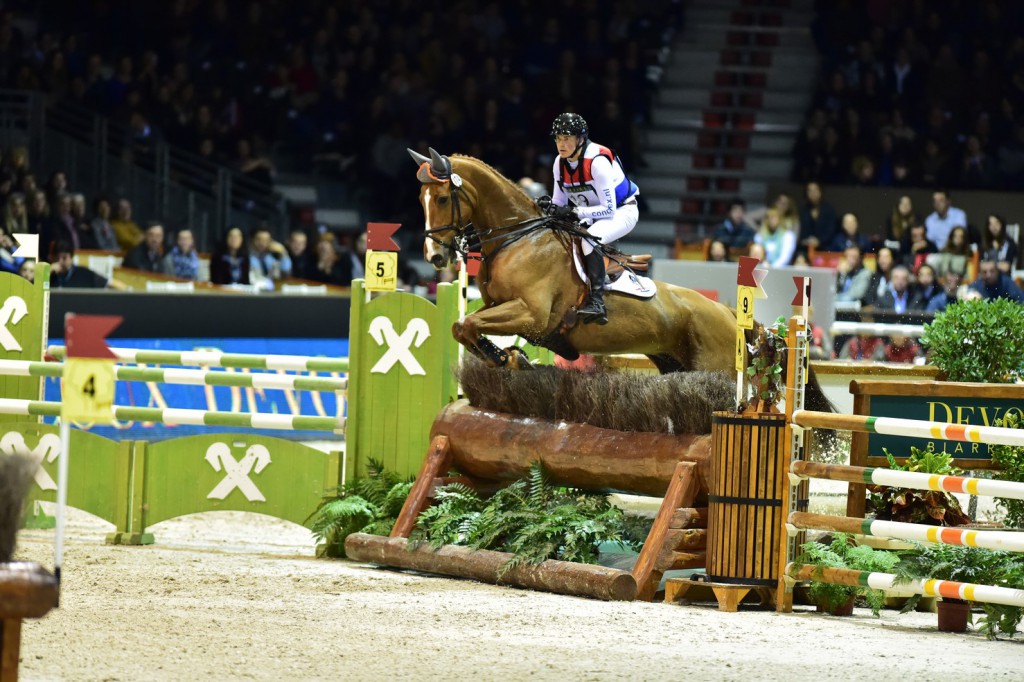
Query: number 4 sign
[88,394]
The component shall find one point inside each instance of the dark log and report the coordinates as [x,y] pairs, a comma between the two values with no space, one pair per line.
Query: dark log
[561,577]
[686,538]
[495,446]
[689,517]
[671,560]
[27,590]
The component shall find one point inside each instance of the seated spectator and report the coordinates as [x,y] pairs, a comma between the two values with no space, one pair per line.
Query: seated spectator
[229,263]
[885,260]
[955,255]
[917,247]
[268,258]
[928,287]
[818,221]
[303,262]
[64,274]
[82,226]
[718,252]
[331,267]
[149,255]
[863,347]
[257,168]
[853,278]
[897,228]
[779,244]
[900,296]
[789,219]
[28,269]
[997,245]
[943,219]
[8,262]
[357,257]
[735,232]
[900,349]
[60,228]
[951,282]
[757,251]
[102,230]
[182,261]
[992,283]
[15,214]
[127,231]
[850,234]
[39,215]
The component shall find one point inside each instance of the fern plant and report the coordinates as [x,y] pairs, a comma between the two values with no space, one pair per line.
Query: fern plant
[531,518]
[369,504]
[842,553]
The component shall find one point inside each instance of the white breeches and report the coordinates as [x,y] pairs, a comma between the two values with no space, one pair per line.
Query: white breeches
[614,228]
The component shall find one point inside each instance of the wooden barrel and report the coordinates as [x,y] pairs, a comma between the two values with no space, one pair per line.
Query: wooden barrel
[745,502]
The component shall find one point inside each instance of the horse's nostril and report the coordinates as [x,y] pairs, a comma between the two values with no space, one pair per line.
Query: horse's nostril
[437,260]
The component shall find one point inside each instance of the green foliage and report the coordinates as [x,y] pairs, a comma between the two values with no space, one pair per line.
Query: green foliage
[530,518]
[766,357]
[842,553]
[932,507]
[367,505]
[1011,461]
[978,340]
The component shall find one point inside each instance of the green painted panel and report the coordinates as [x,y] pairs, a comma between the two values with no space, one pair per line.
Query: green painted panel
[401,351]
[95,481]
[235,472]
[23,314]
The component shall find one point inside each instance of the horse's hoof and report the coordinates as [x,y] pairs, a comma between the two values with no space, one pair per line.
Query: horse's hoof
[517,359]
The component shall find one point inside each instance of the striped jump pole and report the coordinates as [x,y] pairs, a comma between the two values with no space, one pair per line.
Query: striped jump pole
[191,377]
[215,358]
[892,426]
[990,539]
[910,479]
[167,415]
[947,589]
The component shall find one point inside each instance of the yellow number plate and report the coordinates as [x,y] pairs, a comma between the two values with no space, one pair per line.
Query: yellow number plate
[381,270]
[88,394]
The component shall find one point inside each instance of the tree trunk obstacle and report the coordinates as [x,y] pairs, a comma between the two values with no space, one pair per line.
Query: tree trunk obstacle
[488,447]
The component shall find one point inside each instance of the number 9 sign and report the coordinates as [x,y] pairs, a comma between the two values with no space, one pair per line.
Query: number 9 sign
[745,307]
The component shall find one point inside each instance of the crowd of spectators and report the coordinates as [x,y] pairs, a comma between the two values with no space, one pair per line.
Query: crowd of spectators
[912,93]
[346,86]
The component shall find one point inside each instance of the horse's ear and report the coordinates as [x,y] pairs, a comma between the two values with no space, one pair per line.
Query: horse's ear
[440,164]
[417,157]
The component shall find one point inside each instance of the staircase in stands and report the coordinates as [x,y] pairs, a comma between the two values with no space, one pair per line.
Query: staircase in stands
[734,92]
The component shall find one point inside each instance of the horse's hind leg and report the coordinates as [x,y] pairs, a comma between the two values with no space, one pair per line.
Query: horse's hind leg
[666,364]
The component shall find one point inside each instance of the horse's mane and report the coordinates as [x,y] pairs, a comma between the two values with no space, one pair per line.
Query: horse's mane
[492,169]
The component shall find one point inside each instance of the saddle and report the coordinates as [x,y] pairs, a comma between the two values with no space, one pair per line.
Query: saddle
[616,262]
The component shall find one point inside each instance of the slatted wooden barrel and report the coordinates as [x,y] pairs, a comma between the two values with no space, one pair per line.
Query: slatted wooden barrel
[745,513]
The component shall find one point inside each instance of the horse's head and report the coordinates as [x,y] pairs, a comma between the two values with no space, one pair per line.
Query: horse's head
[446,211]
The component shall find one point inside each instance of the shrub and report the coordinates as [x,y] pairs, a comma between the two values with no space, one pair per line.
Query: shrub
[978,340]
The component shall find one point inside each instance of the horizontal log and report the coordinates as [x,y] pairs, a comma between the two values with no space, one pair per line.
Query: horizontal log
[560,577]
[27,590]
[674,560]
[496,446]
[689,517]
[686,538]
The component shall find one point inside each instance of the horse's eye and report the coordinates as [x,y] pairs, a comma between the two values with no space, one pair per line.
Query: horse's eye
[442,201]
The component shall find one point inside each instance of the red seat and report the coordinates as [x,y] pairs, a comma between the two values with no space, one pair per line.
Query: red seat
[719,208]
[698,183]
[693,206]
[729,57]
[755,80]
[726,184]
[720,98]
[724,79]
[768,39]
[741,18]
[703,160]
[739,142]
[770,19]
[761,58]
[714,119]
[743,121]
[735,162]
[708,140]
[737,38]
[751,100]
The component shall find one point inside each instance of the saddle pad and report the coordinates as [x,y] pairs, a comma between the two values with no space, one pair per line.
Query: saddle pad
[627,283]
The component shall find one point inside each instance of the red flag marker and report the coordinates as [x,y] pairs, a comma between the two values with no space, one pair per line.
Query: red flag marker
[745,275]
[378,236]
[798,300]
[86,335]
[473,264]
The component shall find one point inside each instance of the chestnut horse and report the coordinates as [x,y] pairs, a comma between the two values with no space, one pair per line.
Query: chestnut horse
[530,287]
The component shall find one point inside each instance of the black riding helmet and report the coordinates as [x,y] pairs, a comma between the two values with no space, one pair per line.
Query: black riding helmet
[570,124]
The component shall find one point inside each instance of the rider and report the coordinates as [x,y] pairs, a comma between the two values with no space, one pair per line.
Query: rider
[591,185]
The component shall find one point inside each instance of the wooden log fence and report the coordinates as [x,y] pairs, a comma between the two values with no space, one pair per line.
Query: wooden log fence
[189,377]
[946,589]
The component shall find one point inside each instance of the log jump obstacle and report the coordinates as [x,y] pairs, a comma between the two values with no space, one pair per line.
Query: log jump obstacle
[488,447]
[801,470]
[395,382]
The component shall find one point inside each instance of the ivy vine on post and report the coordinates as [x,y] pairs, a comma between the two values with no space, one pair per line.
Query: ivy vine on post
[767,354]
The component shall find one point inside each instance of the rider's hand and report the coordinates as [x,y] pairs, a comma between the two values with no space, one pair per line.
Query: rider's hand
[562,211]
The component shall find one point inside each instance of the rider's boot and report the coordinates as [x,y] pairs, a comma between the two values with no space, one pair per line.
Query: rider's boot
[594,310]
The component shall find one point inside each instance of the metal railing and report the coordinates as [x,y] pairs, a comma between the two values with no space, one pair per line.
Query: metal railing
[163,182]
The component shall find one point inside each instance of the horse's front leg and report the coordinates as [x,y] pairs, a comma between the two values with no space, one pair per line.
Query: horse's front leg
[509,318]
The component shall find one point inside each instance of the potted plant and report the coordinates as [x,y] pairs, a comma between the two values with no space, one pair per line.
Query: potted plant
[767,354]
[978,340]
[951,562]
[931,507]
[841,552]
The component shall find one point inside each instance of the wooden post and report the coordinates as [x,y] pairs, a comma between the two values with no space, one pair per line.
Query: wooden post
[856,492]
[682,491]
[27,590]
[436,464]
[784,593]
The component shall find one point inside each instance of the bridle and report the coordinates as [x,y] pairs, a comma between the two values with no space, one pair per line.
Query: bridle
[463,231]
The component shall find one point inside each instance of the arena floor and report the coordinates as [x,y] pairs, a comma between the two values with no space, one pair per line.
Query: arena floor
[231,596]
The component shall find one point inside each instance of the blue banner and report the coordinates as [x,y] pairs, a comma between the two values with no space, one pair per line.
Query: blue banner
[220,398]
